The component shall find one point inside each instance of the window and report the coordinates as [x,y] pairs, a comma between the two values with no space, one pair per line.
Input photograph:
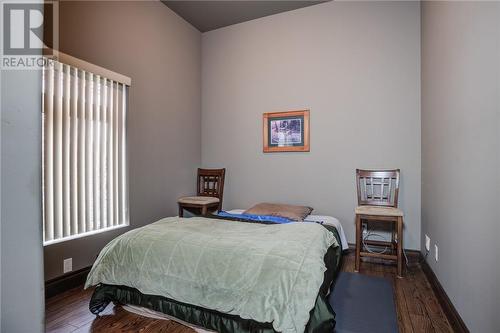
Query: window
[84,152]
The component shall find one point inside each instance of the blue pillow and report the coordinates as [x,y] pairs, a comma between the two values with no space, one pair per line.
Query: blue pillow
[251,217]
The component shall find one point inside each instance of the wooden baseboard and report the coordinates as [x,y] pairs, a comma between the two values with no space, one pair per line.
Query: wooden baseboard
[451,313]
[66,282]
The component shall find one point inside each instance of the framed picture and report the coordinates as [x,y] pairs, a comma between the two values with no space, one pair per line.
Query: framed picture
[286,131]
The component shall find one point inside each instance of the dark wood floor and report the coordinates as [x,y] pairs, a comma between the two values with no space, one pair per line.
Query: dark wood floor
[418,309]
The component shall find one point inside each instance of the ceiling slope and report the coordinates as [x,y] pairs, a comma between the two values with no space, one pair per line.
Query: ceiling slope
[210,15]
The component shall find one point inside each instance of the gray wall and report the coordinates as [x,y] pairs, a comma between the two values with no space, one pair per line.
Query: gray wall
[21,216]
[460,154]
[161,53]
[356,66]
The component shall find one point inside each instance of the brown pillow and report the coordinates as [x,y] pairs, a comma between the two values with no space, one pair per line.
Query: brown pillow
[295,213]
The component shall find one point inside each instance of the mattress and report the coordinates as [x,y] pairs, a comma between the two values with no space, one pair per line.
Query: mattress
[323,219]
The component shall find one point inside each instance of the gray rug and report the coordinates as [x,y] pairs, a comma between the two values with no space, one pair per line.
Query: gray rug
[363,304]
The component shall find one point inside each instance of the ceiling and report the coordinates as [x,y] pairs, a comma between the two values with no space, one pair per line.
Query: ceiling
[209,15]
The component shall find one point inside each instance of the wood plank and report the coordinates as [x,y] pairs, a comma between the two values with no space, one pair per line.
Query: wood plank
[421,324]
[403,315]
[431,304]
[410,290]
[62,328]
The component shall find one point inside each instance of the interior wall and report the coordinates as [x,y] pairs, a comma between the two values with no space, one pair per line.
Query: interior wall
[21,214]
[146,41]
[460,154]
[356,66]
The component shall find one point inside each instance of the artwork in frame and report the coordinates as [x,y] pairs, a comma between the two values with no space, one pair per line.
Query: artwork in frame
[286,131]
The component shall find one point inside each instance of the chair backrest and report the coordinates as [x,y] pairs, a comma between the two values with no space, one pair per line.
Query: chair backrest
[211,183]
[378,187]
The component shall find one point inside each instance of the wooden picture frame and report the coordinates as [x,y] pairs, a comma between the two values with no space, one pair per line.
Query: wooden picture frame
[285,131]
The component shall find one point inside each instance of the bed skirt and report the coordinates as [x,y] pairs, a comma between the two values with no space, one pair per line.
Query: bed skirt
[322,316]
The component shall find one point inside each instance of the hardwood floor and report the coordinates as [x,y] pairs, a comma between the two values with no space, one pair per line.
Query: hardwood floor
[417,308]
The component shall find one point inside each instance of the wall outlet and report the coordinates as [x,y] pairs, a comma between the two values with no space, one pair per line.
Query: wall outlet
[427,243]
[67,265]
[436,254]
[365,229]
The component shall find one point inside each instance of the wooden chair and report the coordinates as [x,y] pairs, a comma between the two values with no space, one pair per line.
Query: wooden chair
[210,190]
[378,201]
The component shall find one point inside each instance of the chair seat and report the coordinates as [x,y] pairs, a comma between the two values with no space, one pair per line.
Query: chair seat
[378,211]
[199,200]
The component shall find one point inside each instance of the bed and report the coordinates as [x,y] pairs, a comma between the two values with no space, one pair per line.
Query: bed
[227,274]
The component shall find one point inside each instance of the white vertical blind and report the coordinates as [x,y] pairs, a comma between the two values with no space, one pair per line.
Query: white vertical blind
[84,152]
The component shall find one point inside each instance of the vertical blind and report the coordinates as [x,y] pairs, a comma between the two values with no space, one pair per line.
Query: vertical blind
[84,153]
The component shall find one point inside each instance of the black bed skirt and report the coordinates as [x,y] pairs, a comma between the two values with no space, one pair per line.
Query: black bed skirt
[322,316]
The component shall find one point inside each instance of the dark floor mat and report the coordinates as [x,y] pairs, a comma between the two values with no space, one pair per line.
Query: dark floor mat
[363,304]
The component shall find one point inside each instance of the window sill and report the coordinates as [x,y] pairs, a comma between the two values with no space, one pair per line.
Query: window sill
[85,234]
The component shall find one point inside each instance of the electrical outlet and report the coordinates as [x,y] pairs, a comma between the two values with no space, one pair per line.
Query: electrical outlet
[365,229]
[436,252]
[67,265]
[427,243]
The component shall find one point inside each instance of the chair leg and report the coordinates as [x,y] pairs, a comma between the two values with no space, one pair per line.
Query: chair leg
[358,243]
[400,246]
[393,238]
[181,211]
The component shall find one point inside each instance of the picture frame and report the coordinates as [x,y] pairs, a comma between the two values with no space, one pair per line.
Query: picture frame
[286,131]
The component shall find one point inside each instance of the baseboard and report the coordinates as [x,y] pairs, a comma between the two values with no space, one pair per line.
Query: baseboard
[66,282]
[451,313]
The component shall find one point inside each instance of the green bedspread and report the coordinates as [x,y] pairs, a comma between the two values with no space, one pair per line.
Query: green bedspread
[268,273]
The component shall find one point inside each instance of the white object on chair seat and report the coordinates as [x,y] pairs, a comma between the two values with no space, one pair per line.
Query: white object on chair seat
[198,200]
[378,211]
